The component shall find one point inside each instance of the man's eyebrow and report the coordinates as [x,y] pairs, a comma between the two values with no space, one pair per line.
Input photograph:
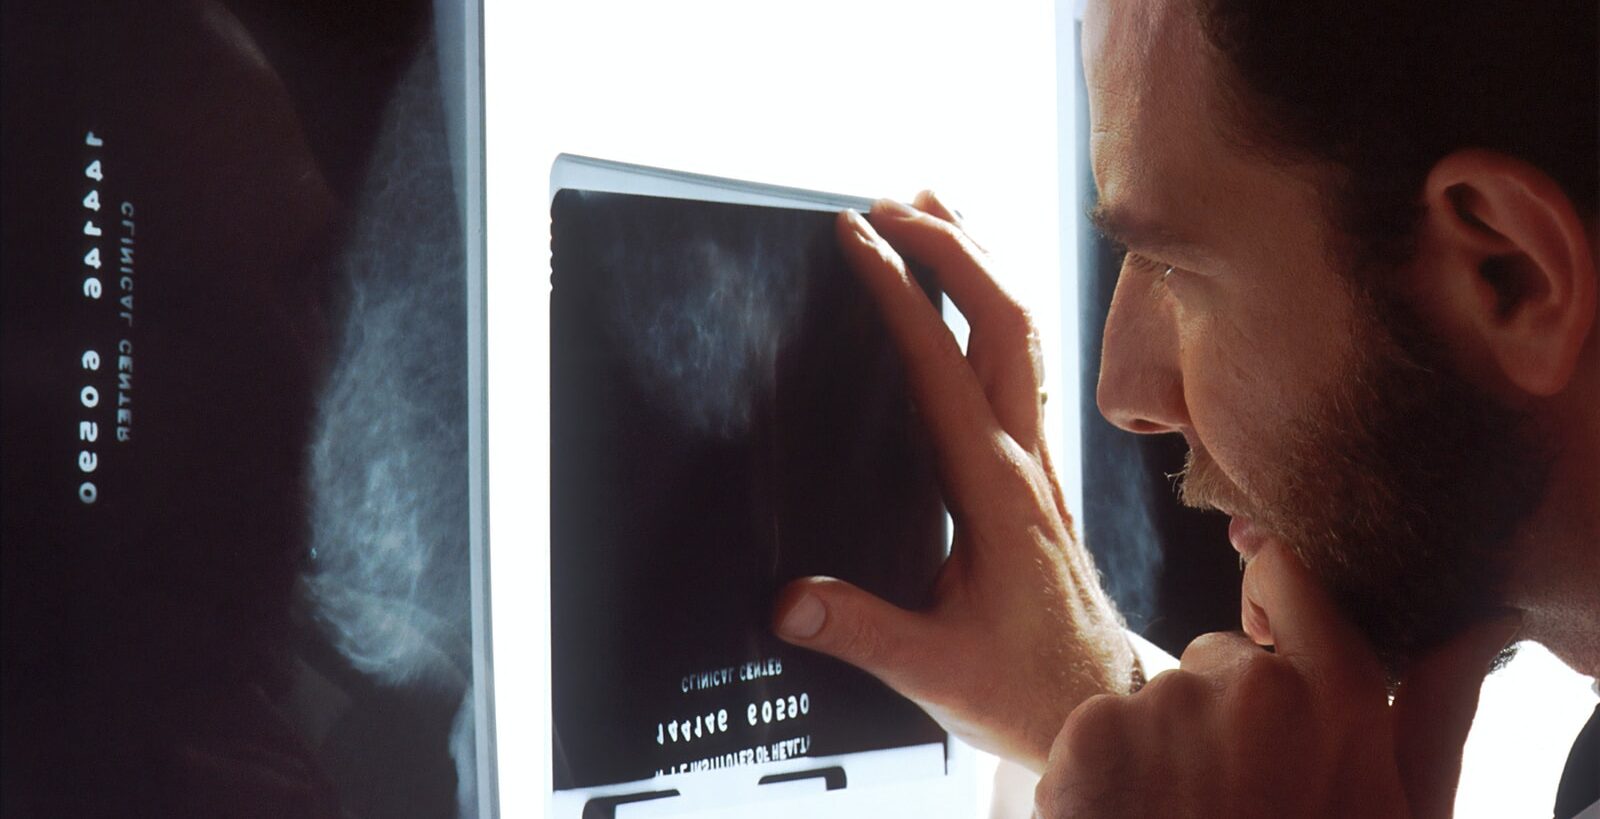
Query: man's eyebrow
[1139,234]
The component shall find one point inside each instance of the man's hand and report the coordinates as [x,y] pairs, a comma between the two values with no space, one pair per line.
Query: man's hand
[1307,731]
[1019,630]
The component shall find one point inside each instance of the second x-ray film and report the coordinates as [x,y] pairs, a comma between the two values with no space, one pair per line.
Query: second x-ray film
[243,555]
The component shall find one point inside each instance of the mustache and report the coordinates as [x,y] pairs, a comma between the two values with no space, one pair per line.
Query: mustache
[1202,485]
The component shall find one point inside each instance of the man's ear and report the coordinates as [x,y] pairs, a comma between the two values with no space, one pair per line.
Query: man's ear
[1515,263]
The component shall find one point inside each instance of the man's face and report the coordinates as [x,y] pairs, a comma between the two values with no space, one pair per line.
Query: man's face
[1315,410]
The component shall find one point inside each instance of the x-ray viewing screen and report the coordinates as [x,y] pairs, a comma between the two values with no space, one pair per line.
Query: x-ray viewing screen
[242,530]
[727,414]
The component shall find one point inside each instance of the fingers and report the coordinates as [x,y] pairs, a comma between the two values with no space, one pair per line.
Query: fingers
[1004,347]
[929,202]
[1434,709]
[940,244]
[842,621]
[1305,624]
[946,390]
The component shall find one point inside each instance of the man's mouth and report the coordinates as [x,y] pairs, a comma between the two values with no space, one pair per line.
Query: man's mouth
[1246,536]
[1204,486]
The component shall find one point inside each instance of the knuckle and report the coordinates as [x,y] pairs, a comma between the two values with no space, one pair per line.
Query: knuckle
[1210,645]
[1089,749]
[1174,688]
[1269,683]
[1095,722]
[1053,795]
[950,240]
[862,642]
[1011,321]
[1213,641]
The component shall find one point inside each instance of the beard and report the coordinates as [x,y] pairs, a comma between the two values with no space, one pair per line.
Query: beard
[1400,489]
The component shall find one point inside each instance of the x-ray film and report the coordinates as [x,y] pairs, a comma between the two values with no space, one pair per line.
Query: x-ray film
[243,529]
[728,413]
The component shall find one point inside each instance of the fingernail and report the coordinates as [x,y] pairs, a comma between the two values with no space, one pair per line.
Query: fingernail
[804,619]
[1256,625]
[858,224]
[936,199]
[890,207]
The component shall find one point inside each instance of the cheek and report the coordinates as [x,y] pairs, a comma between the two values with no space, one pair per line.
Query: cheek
[1247,388]
[1233,418]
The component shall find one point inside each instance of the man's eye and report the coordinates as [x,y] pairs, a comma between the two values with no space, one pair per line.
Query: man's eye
[1160,270]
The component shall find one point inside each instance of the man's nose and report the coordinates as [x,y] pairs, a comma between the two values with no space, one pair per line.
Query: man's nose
[1141,378]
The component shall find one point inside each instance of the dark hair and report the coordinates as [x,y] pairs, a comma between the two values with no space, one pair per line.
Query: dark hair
[1383,89]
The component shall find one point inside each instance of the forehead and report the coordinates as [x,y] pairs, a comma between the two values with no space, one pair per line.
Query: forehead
[1161,146]
[1126,43]
[1150,81]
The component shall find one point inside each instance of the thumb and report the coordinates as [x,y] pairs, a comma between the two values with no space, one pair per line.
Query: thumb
[1434,707]
[841,620]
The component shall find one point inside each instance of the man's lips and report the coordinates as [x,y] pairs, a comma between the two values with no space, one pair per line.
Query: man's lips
[1247,538]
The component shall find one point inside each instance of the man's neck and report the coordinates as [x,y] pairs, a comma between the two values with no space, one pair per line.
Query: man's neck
[1559,549]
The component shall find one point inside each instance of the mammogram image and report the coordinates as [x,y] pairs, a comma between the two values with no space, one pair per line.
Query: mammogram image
[727,414]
